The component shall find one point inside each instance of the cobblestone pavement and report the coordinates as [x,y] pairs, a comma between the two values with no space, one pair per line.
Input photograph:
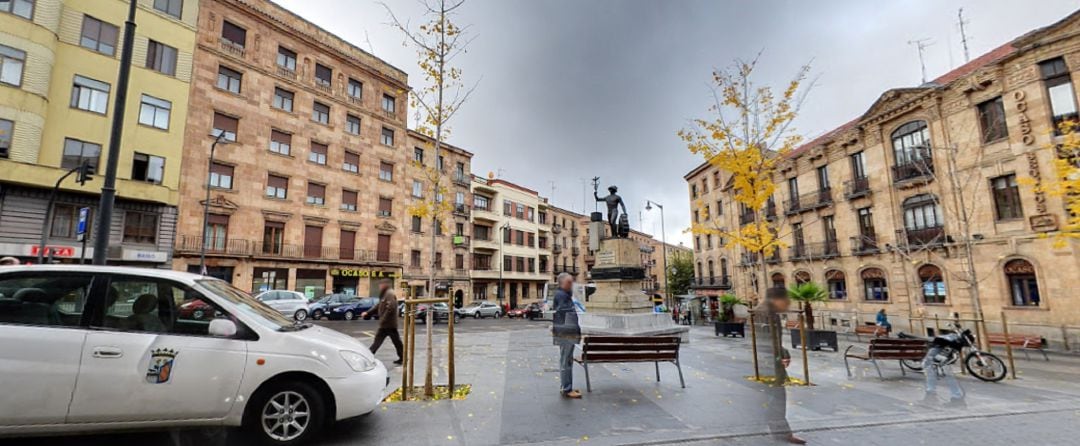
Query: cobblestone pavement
[512,368]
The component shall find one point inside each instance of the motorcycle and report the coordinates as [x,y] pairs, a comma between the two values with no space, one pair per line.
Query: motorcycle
[960,343]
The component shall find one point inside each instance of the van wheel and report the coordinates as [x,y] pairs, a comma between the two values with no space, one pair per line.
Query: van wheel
[285,414]
[301,315]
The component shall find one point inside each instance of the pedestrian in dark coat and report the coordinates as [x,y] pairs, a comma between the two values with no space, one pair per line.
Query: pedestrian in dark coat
[386,310]
[774,359]
[566,333]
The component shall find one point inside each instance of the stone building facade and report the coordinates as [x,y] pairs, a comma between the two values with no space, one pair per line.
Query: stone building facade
[57,99]
[881,209]
[570,242]
[306,190]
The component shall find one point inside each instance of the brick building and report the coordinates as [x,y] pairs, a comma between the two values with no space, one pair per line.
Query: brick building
[873,209]
[307,193]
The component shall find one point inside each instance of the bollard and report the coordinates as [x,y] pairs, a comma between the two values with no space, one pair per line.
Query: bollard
[753,346]
[805,359]
[1065,337]
[450,342]
[405,354]
[1008,345]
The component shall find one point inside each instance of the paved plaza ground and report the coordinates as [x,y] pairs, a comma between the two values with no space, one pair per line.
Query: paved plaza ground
[511,365]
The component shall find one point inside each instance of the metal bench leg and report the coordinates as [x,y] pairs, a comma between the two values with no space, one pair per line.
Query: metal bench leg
[681,381]
[880,376]
[588,384]
[1027,357]
[657,364]
[846,366]
[902,372]
[1043,351]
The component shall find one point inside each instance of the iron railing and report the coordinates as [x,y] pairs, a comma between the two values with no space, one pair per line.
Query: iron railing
[252,248]
[922,167]
[856,188]
[809,201]
[864,244]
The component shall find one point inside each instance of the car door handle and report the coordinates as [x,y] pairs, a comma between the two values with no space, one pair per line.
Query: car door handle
[107,352]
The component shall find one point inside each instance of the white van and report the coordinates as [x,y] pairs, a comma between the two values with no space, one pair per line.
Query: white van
[85,348]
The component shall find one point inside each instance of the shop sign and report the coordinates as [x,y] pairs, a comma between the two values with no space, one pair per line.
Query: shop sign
[362,273]
[53,250]
[1026,135]
[137,255]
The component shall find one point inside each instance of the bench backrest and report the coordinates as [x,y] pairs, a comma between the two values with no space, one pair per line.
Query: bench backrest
[884,348]
[869,329]
[630,348]
[1015,339]
[794,323]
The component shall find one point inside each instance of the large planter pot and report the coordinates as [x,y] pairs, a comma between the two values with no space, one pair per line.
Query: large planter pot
[815,339]
[731,329]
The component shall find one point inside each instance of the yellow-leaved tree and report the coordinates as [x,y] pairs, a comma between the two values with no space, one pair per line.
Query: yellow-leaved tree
[1066,181]
[437,41]
[747,135]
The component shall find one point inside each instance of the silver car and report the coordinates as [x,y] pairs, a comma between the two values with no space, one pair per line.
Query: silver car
[480,309]
[289,303]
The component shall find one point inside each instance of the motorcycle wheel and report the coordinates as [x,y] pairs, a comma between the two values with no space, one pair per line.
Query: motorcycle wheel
[914,365]
[990,368]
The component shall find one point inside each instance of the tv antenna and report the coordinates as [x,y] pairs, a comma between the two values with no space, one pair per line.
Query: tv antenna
[963,33]
[922,44]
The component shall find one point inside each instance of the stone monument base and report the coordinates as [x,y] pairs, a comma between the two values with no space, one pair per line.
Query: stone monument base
[640,324]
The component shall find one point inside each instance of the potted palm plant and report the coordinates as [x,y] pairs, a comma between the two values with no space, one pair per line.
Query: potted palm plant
[727,324]
[806,294]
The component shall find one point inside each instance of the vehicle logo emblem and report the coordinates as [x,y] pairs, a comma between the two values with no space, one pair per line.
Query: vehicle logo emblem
[161,365]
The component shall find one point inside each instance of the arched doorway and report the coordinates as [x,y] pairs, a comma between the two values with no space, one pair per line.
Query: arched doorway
[459,298]
[778,280]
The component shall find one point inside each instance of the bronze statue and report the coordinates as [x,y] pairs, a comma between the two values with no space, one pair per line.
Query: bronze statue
[614,202]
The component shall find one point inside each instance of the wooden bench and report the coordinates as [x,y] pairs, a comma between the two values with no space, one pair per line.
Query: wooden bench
[876,331]
[1024,341]
[612,349]
[791,324]
[887,349]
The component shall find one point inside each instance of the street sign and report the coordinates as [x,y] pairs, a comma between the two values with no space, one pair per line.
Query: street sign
[80,229]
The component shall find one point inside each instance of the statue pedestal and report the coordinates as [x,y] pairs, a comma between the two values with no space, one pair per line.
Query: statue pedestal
[618,307]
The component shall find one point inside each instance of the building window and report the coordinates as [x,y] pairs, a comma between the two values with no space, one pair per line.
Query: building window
[387,137]
[286,58]
[481,202]
[154,112]
[459,261]
[417,189]
[65,221]
[320,113]
[170,7]
[858,166]
[386,171]
[440,163]
[90,95]
[911,143]
[76,152]
[837,284]
[6,129]
[793,190]
[922,212]
[99,36]
[318,153]
[992,120]
[802,277]
[283,99]
[388,103]
[221,176]
[277,186]
[823,178]
[417,224]
[418,155]
[140,227]
[1023,285]
[355,89]
[233,34]
[874,285]
[347,244]
[414,258]
[348,200]
[1059,88]
[217,231]
[227,125]
[386,207]
[313,236]
[324,75]
[693,191]
[11,65]
[351,163]
[21,8]
[352,124]
[162,58]
[933,284]
[316,194]
[778,280]
[280,142]
[1006,197]
[148,168]
[273,237]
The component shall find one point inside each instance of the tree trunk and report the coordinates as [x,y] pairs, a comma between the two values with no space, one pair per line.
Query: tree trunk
[809,310]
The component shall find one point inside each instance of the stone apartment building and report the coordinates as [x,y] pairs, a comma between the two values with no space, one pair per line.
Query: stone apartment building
[58,65]
[872,209]
[506,247]
[307,189]
[569,242]
[451,261]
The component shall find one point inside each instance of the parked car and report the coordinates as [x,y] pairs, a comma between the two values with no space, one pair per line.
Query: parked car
[353,309]
[322,306]
[517,312]
[441,310]
[480,309]
[289,303]
[534,311]
[141,364]
[195,309]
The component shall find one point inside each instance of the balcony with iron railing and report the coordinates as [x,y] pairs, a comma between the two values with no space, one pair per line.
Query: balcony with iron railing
[232,48]
[251,248]
[718,282]
[575,251]
[809,201]
[858,187]
[461,209]
[556,249]
[916,169]
[865,244]
[286,73]
[460,240]
[460,178]
[922,237]
[747,217]
[770,211]
[773,258]
[815,251]
[573,231]
[748,259]
[565,269]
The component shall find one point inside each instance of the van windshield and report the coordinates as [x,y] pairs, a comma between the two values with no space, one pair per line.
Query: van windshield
[260,312]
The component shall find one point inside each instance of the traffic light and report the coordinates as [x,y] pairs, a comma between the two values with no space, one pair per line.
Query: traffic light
[83,173]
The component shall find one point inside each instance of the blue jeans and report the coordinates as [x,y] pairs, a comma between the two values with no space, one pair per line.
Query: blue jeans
[566,365]
[931,369]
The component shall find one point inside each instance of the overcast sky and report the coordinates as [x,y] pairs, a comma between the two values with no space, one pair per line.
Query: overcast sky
[572,89]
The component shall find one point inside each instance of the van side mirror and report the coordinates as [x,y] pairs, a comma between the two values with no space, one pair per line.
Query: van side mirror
[222,328]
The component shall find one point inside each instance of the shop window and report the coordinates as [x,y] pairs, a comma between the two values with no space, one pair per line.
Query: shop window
[1023,285]
[875,286]
[837,284]
[933,284]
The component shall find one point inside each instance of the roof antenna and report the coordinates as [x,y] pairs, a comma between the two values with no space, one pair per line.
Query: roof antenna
[921,44]
[963,33]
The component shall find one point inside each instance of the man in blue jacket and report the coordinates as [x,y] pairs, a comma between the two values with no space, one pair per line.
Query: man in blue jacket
[566,332]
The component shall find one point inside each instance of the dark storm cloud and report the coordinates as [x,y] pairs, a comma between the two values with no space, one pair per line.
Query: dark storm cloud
[575,89]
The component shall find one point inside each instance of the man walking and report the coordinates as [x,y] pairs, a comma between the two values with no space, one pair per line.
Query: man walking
[566,332]
[387,312]
[775,360]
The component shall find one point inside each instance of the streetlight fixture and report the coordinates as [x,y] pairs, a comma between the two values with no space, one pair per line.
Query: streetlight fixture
[502,260]
[206,203]
[663,239]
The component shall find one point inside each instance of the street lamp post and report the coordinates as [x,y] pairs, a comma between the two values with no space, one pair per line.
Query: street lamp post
[206,202]
[501,260]
[663,239]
